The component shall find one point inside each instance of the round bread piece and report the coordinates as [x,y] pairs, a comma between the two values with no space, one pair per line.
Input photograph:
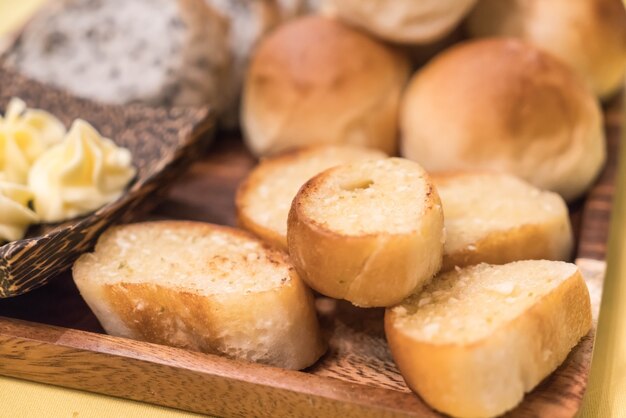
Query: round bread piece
[264,198]
[314,80]
[201,287]
[403,21]
[476,339]
[370,232]
[589,35]
[512,108]
[497,218]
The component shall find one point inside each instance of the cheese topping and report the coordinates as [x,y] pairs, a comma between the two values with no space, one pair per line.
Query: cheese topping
[16,216]
[79,175]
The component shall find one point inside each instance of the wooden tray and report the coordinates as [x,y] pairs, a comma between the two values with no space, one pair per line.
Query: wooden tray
[50,336]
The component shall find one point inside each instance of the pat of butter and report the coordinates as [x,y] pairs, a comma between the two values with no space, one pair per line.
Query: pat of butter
[81,174]
[16,216]
[24,136]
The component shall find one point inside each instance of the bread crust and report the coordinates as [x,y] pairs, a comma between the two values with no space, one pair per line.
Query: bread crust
[403,21]
[255,179]
[306,85]
[514,108]
[368,270]
[588,35]
[550,239]
[489,376]
[277,326]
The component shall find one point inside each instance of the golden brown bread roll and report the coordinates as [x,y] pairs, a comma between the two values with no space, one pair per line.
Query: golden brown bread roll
[589,35]
[403,21]
[314,80]
[504,105]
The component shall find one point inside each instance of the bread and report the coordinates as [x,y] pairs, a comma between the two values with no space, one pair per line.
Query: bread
[475,340]
[314,80]
[403,21]
[512,109]
[498,218]
[264,197]
[248,21]
[159,52]
[288,9]
[201,287]
[589,35]
[370,232]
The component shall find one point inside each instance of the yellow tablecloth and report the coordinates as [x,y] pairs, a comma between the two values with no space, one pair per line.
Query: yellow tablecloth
[22,399]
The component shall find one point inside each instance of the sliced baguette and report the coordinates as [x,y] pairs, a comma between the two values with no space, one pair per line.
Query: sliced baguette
[498,218]
[264,198]
[476,339]
[370,232]
[201,287]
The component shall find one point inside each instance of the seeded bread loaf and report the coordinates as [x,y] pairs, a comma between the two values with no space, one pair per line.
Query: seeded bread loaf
[160,52]
[476,339]
[264,198]
[201,287]
[497,218]
[370,232]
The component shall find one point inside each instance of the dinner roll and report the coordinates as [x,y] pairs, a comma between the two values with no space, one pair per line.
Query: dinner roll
[403,21]
[497,218]
[314,80]
[504,105]
[264,197]
[370,232]
[589,35]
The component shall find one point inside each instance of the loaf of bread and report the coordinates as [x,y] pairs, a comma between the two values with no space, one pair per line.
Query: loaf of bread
[497,218]
[314,80]
[513,108]
[403,21]
[201,287]
[589,35]
[476,339]
[160,52]
[264,198]
[370,232]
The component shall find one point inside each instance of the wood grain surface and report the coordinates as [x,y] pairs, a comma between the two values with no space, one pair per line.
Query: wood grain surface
[63,343]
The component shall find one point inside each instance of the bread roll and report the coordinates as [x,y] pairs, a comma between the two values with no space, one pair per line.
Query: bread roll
[498,218]
[315,81]
[248,21]
[369,232]
[589,35]
[504,105]
[264,198]
[201,287]
[475,340]
[403,21]
[159,52]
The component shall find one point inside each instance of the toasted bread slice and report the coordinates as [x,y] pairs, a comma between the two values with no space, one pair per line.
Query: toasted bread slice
[476,339]
[498,218]
[201,287]
[370,232]
[264,198]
